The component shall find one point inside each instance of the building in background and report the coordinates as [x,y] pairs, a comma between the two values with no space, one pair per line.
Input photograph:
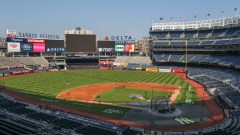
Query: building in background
[145,46]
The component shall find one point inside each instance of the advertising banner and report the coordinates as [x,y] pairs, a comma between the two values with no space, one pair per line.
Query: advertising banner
[106,49]
[10,39]
[132,68]
[129,48]
[26,47]
[123,42]
[116,64]
[177,71]
[139,69]
[13,47]
[119,48]
[105,63]
[120,42]
[164,70]
[55,49]
[38,47]
[151,69]
[35,40]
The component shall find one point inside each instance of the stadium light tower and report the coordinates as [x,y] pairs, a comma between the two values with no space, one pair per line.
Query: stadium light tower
[186,58]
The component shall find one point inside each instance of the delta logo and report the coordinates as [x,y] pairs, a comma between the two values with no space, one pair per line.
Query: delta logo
[106,38]
[14,45]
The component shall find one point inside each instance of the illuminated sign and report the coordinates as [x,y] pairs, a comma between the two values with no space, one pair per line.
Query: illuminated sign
[33,40]
[121,38]
[26,47]
[106,49]
[117,38]
[55,50]
[10,39]
[119,48]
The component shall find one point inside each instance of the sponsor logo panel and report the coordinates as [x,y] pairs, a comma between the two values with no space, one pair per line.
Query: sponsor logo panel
[164,70]
[151,69]
[13,47]
[55,49]
[106,49]
[119,48]
[129,48]
[38,47]
[10,39]
[34,40]
[26,47]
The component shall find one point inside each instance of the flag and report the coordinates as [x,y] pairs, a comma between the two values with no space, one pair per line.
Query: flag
[161,18]
[235,9]
[171,18]
[208,14]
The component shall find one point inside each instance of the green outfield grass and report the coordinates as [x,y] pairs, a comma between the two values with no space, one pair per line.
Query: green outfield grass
[48,85]
[123,95]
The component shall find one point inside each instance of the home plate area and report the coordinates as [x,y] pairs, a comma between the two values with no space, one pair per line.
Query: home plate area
[183,115]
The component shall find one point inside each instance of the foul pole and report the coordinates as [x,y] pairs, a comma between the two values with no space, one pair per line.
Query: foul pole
[186,58]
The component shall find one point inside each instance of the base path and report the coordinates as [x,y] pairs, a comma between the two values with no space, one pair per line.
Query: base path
[89,92]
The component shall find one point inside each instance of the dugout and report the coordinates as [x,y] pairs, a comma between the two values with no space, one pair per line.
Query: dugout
[82,62]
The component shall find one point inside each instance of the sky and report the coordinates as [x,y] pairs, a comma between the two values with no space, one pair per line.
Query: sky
[105,17]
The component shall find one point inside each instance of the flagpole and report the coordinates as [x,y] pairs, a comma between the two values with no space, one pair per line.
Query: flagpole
[195,16]
[236,10]
[223,17]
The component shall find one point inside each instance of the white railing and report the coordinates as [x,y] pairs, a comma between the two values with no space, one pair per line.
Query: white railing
[221,22]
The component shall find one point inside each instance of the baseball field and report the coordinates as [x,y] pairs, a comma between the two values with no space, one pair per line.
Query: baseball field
[94,91]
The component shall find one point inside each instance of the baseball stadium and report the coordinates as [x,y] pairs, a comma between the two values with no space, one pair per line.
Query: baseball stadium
[183,79]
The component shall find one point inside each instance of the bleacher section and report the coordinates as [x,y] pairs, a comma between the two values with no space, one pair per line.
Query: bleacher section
[19,118]
[197,33]
[193,42]
[35,61]
[199,58]
[138,60]
[24,60]
[41,61]
[226,32]
[21,61]
[6,61]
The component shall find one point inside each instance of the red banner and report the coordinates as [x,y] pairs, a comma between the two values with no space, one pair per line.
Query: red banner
[35,40]
[129,48]
[177,71]
[105,63]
